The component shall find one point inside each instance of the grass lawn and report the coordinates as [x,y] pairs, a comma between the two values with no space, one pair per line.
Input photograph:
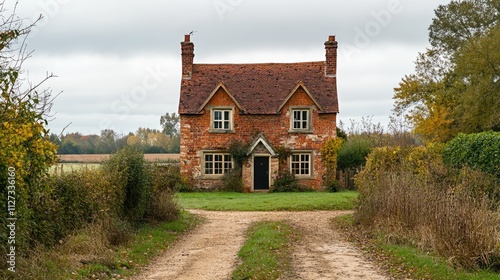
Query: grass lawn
[226,201]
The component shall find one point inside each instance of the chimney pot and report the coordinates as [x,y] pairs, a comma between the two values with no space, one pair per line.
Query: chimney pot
[331,38]
[187,38]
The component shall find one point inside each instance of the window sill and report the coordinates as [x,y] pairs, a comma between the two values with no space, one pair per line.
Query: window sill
[305,177]
[212,177]
[300,131]
[221,131]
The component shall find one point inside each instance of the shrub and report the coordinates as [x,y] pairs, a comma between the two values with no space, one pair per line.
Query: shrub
[186,185]
[353,153]
[480,151]
[165,177]
[163,207]
[329,155]
[133,177]
[333,186]
[232,181]
[286,182]
[119,231]
[74,206]
[69,201]
[410,195]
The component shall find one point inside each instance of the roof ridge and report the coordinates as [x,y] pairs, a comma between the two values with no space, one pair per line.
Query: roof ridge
[261,63]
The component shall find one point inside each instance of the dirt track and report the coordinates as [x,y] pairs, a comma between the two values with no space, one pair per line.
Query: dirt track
[210,251]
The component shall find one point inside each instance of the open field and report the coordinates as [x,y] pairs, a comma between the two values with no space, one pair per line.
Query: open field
[73,166]
[96,158]
[75,162]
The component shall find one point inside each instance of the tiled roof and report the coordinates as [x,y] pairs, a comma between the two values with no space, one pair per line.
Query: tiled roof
[258,88]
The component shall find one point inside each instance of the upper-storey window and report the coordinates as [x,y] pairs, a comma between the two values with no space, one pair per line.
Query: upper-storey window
[300,120]
[221,120]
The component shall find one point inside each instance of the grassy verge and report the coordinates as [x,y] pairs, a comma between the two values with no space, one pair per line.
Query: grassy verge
[265,254]
[403,261]
[83,256]
[149,242]
[218,201]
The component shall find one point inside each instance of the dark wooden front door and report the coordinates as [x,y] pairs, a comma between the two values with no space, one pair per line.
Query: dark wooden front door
[261,173]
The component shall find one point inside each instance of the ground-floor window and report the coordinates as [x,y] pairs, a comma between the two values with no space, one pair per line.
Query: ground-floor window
[217,163]
[300,164]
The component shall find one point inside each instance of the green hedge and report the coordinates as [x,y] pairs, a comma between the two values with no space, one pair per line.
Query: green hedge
[353,153]
[134,177]
[480,151]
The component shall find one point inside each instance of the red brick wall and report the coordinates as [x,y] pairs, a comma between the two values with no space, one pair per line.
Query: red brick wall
[195,135]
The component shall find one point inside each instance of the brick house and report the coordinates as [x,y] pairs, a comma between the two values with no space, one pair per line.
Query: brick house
[270,107]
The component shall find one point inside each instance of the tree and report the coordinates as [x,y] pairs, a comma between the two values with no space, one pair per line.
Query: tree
[26,152]
[108,141]
[170,124]
[477,71]
[446,95]
[460,21]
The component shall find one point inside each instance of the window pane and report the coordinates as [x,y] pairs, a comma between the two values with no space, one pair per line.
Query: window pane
[304,115]
[209,168]
[226,125]
[218,168]
[227,166]
[226,115]
[217,115]
[304,170]
[296,115]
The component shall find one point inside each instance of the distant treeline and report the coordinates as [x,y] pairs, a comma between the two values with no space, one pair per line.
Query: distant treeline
[150,141]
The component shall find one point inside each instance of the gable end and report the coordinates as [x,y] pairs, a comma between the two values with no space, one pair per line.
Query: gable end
[300,84]
[223,87]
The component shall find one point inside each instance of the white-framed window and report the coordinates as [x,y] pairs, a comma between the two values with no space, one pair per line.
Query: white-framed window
[221,119]
[217,163]
[301,164]
[300,120]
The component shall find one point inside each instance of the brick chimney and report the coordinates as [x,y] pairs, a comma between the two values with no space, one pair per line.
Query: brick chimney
[187,48]
[331,57]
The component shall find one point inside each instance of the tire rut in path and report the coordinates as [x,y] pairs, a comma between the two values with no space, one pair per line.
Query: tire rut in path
[210,251]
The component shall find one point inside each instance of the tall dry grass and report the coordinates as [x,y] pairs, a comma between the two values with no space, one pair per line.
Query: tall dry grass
[411,197]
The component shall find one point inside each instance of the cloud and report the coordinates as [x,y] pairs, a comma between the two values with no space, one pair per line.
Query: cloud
[106,52]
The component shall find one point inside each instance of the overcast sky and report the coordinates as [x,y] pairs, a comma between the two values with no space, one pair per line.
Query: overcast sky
[118,62]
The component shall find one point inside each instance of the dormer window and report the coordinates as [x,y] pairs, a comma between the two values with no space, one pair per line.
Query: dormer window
[221,120]
[300,120]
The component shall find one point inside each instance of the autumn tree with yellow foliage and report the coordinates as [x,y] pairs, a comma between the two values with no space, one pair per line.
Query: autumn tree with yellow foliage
[456,84]
[25,150]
